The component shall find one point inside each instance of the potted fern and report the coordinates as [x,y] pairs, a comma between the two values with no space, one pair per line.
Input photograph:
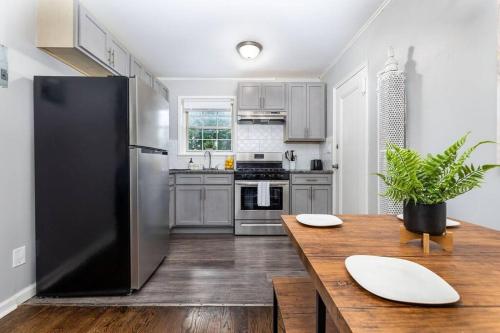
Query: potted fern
[425,184]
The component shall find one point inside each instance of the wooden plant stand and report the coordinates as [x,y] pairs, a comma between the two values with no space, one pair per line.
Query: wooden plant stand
[445,240]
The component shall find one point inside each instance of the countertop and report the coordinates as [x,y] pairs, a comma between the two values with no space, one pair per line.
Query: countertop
[312,171]
[218,171]
[221,171]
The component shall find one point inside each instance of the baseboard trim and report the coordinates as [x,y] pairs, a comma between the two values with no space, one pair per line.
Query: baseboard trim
[202,230]
[11,303]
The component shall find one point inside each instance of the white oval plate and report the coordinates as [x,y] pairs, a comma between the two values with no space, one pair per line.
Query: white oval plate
[400,280]
[319,220]
[449,223]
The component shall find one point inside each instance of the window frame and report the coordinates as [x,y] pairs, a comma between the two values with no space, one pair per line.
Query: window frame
[182,128]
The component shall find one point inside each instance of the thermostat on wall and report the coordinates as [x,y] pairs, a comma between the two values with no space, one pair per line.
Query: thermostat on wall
[4,68]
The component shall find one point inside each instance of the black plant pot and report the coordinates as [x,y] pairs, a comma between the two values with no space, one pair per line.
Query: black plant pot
[421,218]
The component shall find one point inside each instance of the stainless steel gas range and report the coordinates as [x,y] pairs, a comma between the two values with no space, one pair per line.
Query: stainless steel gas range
[250,218]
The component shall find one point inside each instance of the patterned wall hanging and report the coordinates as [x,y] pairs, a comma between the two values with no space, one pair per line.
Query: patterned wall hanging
[391,95]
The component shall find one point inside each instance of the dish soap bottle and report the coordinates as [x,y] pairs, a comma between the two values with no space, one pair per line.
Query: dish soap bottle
[190,164]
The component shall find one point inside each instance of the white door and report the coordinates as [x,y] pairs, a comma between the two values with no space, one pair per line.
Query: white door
[352,154]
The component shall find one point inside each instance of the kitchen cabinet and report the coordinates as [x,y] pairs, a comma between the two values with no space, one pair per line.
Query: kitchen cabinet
[92,37]
[69,32]
[119,58]
[217,205]
[249,96]
[311,194]
[189,205]
[268,96]
[171,212]
[203,200]
[301,199]
[306,117]
[273,96]
[321,199]
[136,67]
[160,88]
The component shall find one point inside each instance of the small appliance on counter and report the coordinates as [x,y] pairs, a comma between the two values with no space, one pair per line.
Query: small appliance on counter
[291,157]
[316,165]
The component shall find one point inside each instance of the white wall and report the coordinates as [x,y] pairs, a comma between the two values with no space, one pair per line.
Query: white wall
[447,48]
[17,32]
[229,87]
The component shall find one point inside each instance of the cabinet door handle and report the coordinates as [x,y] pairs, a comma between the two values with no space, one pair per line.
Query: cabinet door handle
[113,54]
[263,102]
[109,56]
[312,194]
[311,180]
[203,194]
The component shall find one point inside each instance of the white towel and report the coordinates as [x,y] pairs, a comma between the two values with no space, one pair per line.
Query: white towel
[263,195]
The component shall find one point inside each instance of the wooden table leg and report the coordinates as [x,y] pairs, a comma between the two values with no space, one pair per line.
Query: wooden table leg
[275,312]
[320,314]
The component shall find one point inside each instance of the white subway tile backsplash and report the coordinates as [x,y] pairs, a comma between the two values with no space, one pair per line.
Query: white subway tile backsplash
[271,146]
[248,146]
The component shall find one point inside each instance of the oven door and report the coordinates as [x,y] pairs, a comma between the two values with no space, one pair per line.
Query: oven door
[245,201]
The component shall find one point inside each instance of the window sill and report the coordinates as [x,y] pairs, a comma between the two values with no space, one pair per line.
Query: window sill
[189,154]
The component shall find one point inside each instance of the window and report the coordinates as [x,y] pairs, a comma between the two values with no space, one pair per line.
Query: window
[207,123]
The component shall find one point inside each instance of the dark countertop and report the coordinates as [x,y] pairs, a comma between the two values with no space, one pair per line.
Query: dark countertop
[312,171]
[219,171]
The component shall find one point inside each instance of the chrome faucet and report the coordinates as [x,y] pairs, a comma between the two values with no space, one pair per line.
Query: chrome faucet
[209,159]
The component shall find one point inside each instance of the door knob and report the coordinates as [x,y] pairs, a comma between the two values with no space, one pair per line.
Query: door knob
[335,166]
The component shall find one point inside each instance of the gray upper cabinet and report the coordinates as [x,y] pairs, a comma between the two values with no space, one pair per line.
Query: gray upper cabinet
[321,199]
[306,119]
[296,122]
[69,32]
[249,96]
[316,106]
[301,199]
[268,96]
[217,205]
[119,57]
[189,205]
[273,96]
[147,77]
[92,37]
[135,67]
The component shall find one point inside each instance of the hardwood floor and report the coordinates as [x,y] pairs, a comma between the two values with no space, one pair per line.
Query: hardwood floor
[70,319]
[210,270]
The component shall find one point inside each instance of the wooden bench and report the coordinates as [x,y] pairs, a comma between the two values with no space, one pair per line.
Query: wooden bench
[294,308]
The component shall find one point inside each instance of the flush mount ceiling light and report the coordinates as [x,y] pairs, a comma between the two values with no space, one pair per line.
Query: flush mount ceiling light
[249,50]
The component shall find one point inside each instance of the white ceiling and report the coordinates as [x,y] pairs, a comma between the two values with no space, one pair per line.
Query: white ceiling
[197,38]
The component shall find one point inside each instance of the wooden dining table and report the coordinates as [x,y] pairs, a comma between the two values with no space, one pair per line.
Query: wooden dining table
[472,268]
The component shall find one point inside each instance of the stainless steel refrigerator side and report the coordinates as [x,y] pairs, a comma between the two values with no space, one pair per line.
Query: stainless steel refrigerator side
[134,230]
[149,194]
[149,116]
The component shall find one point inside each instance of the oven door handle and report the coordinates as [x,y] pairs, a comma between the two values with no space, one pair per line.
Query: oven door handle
[256,183]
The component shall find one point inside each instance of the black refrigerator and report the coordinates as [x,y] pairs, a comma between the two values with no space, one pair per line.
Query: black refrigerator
[101,184]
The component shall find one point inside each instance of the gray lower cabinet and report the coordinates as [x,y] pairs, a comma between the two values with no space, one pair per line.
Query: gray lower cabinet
[203,200]
[301,199]
[171,216]
[308,198]
[188,205]
[321,199]
[217,205]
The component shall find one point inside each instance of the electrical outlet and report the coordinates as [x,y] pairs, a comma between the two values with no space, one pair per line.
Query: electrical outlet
[19,256]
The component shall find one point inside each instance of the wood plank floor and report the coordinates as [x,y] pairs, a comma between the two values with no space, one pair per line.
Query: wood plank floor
[210,270]
[70,319]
